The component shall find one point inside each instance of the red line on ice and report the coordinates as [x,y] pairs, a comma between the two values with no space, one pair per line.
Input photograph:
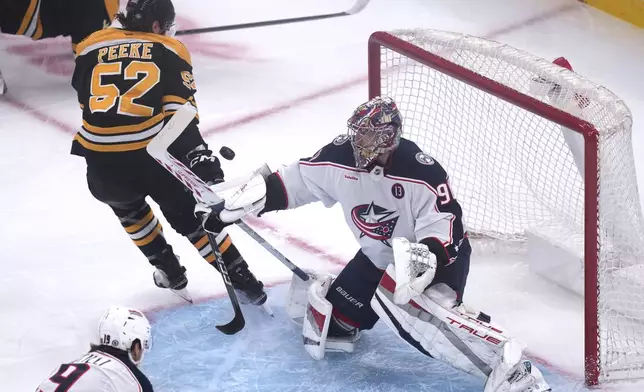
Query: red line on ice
[40,115]
[295,241]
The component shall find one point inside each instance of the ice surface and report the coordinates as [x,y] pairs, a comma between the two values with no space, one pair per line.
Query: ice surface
[267,355]
[65,258]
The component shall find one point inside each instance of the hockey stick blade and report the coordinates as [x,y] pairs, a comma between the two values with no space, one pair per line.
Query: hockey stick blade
[238,322]
[357,7]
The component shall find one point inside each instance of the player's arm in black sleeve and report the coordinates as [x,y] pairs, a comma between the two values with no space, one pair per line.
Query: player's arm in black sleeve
[190,148]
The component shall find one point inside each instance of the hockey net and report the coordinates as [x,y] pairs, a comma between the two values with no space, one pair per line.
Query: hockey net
[531,149]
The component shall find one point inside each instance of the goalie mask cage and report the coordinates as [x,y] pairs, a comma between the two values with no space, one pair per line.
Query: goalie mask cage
[531,147]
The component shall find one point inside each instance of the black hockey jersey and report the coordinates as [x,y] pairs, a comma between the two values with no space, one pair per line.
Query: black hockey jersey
[129,84]
[39,19]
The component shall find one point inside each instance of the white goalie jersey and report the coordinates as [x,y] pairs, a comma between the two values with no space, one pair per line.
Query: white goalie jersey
[108,370]
[409,198]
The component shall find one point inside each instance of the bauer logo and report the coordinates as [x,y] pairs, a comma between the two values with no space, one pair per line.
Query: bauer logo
[424,158]
[340,140]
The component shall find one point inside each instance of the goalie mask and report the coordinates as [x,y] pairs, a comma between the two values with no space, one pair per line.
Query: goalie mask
[374,128]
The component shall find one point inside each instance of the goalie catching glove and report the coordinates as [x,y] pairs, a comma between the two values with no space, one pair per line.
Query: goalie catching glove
[415,268]
[241,196]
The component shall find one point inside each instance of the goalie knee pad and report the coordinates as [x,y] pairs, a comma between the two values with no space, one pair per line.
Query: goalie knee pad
[319,320]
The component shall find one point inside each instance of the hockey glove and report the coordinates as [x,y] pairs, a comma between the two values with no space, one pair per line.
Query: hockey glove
[209,215]
[415,269]
[205,165]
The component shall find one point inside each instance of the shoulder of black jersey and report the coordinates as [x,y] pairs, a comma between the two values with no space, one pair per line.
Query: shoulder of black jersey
[339,151]
[146,385]
[115,36]
[410,162]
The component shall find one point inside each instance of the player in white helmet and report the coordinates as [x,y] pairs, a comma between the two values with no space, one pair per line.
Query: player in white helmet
[412,266]
[112,365]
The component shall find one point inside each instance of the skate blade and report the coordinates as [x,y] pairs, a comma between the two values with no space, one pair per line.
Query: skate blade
[268,309]
[183,294]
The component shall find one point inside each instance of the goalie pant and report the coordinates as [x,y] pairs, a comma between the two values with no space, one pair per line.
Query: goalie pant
[40,19]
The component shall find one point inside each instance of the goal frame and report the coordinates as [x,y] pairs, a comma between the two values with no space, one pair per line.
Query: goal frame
[380,39]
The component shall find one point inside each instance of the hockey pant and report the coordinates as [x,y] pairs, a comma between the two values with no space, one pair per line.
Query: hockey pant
[124,188]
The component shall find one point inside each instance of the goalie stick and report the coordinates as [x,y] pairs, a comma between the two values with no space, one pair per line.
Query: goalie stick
[276,253]
[357,7]
[158,149]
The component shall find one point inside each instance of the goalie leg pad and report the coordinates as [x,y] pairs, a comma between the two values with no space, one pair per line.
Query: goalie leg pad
[315,326]
[298,295]
[434,325]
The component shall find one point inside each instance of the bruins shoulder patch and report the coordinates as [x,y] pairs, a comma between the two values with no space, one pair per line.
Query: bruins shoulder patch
[340,139]
[424,158]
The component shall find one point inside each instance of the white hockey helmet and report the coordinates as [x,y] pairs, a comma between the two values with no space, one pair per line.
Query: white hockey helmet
[120,327]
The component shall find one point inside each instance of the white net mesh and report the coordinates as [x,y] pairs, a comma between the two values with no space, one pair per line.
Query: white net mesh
[515,171]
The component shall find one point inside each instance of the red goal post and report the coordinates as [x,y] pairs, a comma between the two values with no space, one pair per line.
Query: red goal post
[455,90]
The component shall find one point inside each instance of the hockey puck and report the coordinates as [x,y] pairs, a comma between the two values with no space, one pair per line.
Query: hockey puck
[227,153]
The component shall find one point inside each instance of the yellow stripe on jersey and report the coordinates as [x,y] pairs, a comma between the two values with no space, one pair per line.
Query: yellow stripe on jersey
[26,20]
[122,147]
[124,128]
[114,36]
[173,99]
[172,103]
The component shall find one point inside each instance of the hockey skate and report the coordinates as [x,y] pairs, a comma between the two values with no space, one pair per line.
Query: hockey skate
[249,289]
[513,374]
[169,274]
[341,337]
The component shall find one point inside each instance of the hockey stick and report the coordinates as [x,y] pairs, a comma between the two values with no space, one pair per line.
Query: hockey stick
[229,154]
[357,7]
[276,253]
[158,149]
